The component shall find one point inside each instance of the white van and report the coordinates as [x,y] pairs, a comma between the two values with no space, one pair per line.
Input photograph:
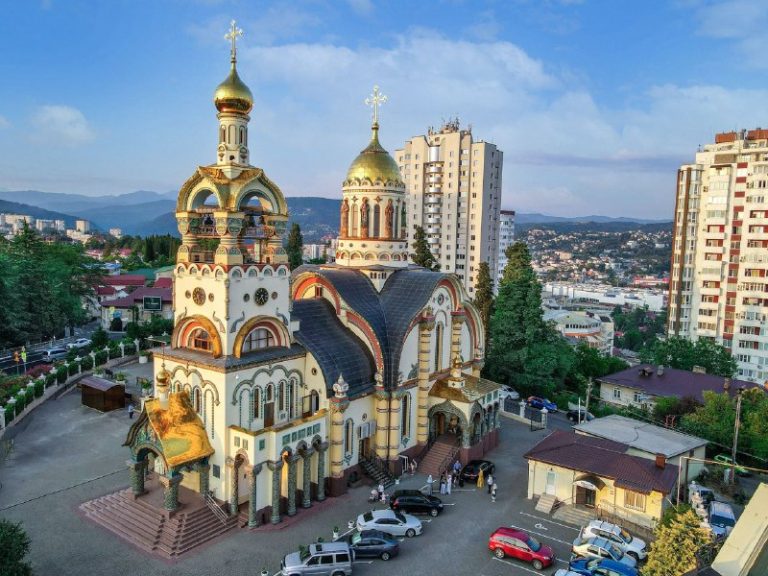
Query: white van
[54,354]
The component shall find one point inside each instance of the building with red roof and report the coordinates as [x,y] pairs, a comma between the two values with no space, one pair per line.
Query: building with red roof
[138,306]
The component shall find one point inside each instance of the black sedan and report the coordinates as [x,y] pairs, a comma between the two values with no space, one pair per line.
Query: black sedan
[414,502]
[470,472]
[373,544]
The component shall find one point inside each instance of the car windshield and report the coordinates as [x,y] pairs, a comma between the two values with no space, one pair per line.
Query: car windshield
[400,517]
[615,552]
[368,516]
[533,544]
[721,520]
[626,536]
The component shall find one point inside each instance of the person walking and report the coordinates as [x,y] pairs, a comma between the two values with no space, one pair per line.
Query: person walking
[430,481]
[480,479]
[490,482]
[448,483]
[442,483]
[457,467]
[493,493]
[131,410]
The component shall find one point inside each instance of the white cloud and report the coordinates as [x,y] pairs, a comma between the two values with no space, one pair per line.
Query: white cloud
[565,150]
[741,22]
[362,7]
[60,124]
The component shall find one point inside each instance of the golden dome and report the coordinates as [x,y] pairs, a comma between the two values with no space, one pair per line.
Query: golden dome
[162,377]
[375,163]
[233,95]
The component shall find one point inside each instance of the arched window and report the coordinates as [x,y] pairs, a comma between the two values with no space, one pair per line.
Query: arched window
[438,347]
[197,400]
[291,398]
[231,135]
[281,396]
[200,340]
[405,417]
[314,401]
[355,220]
[242,136]
[376,219]
[270,393]
[223,135]
[258,339]
[348,436]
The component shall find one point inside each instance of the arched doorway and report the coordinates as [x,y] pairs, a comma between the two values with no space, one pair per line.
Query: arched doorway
[446,418]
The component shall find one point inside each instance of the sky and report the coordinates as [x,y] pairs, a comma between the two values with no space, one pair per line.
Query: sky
[595,103]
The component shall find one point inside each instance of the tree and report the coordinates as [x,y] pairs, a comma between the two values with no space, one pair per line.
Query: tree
[484,297]
[14,546]
[99,338]
[673,553]
[422,256]
[677,352]
[524,351]
[295,247]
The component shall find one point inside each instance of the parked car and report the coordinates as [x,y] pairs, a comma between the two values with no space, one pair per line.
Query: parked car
[327,559]
[470,472]
[54,354]
[539,403]
[509,392]
[725,459]
[600,567]
[616,534]
[519,544]
[391,522]
[79,343]
[565,572]
[700,495]
[373,544]
[577,416]
[721,519]
[601,548]
[414,502]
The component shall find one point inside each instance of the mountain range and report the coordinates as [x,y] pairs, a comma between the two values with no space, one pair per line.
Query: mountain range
[145,212]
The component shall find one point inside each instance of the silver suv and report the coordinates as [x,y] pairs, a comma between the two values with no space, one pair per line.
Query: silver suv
[326,559]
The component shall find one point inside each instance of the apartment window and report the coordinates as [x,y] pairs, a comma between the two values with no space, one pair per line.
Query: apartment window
[634,500]
[616,394]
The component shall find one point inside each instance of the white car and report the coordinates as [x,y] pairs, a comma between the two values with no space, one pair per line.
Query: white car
[601,548]
[616,534]
[566,572]
[79,343]
[391,522]
[509,392]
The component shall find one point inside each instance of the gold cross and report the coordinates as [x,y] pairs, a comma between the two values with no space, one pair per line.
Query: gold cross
[232,35]
[375,100]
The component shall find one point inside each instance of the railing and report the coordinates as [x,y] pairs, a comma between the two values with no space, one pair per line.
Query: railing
[216,509]
[450,459]
[427,446]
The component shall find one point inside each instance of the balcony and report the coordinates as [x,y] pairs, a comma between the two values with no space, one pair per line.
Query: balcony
[433,218]
[434,169]
[435,188]
[433,229]
[433,199]
[433,240]
[437,179]
[434,209]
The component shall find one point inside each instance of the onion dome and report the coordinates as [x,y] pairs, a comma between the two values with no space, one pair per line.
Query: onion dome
[233,95]
[162,378]
[374,162]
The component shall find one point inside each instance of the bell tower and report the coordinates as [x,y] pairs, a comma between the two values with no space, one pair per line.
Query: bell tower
[372,231]
[232,271]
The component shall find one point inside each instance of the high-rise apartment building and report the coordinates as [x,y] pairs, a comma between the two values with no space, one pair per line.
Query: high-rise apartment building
[506,239]
[453,187]
[718,286]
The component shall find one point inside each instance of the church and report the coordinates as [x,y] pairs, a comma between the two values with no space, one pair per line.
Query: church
[280,388]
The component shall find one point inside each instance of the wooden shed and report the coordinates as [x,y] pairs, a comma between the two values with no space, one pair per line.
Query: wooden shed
[102,394]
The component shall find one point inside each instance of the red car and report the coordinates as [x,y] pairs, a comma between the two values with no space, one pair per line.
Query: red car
[518,544]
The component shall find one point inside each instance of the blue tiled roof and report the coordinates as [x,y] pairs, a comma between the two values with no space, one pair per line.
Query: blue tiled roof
[388,313]
[335,348]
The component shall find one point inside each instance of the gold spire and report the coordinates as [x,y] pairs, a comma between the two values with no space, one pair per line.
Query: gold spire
[233,95]
[374,162]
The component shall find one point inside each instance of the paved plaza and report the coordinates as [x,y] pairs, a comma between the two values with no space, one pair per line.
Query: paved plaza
[65,454]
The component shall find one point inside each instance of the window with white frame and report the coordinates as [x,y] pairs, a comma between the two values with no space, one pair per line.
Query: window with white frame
[634,500]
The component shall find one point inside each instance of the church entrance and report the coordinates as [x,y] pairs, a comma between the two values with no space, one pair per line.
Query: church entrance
[269,414]
[440,427]
[364,447]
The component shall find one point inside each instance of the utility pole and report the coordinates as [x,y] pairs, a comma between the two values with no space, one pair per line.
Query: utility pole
[736,426]
[586,404]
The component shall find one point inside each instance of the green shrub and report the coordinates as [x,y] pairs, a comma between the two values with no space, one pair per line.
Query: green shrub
[29,394]
[101,358]
[72,369]
[87,363]
[61,375]
[9,413]
[20,403]
[39,388]
[50,379]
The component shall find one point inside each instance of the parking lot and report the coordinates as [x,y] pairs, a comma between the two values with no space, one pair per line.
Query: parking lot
[66,454]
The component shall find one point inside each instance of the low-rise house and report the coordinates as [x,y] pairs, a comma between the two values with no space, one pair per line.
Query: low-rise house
[650,441]
[126,282]
[138,306]
[640,385]
[600,474]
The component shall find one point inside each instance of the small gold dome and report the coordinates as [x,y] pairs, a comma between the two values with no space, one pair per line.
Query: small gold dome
[163,377]
[375,163]
[233,95]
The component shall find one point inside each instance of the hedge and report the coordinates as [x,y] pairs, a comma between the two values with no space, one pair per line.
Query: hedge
[101,358]
[29,394]
[9,413]
[20,403]
[50,379]
[39,388]
[61,375]
[72,368]
[87,363]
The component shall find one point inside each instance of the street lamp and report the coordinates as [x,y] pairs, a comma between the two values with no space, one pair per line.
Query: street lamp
[736,426]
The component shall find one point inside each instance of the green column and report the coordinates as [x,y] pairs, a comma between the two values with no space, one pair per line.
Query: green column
[307,477]
[276,468]
[292,473]
[171,491]
[321,450]
[204,471]
[253,504]
[136,469]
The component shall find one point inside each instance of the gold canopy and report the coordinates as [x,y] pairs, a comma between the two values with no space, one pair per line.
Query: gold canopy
[374,163]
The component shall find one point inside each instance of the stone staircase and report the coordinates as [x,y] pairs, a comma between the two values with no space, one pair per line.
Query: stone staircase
[147,527]
[442,451]
[377,472]
[546,503]
[573,515]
